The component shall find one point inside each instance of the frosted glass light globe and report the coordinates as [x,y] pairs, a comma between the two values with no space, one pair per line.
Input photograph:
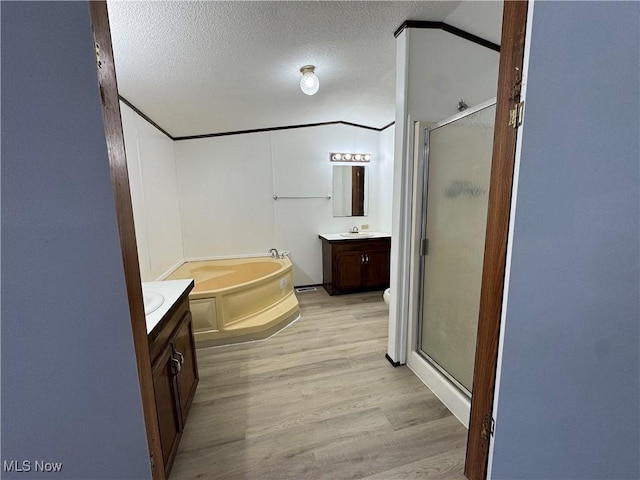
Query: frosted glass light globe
[309,83]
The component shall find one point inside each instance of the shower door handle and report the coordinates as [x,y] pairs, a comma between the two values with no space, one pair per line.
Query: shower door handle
[424,246]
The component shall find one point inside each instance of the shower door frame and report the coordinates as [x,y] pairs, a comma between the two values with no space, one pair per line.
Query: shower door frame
[457,399]
[421,214]
[451,396]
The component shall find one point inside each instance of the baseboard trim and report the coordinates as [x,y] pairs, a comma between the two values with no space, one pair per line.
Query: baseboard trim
[391,361]
[452,397]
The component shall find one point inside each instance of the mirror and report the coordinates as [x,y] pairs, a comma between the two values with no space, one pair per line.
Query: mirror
[350,191]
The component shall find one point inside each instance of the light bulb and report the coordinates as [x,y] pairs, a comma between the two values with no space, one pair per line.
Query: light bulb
[337,157]
[347,156]
[309,83]
[358,157]
[367,157]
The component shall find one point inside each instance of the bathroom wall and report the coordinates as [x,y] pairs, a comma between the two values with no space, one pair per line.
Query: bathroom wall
[568,379]
[442,69]
[385,178]
[154,194]
[70,391]
[226,187]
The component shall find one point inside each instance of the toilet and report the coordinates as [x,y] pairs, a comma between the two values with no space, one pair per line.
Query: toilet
[387,295]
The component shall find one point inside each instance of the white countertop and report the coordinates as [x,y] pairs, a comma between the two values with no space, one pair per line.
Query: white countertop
[338,236]
[171,290]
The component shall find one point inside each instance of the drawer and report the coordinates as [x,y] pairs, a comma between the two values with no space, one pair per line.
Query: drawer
[360,245]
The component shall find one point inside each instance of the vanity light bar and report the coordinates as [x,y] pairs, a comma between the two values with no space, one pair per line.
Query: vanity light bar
[349,157]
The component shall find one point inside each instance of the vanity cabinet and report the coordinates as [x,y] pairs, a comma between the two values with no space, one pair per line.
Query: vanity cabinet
[175,375]
[355,265]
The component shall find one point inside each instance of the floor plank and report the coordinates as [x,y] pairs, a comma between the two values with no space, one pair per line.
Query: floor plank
[318,401]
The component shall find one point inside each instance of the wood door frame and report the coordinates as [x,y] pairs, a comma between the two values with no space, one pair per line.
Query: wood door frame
[514,22]
[124,216]
[509,80]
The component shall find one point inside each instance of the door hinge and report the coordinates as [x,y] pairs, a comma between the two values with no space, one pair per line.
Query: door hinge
[487,427]
[424,246]
[152,462]
[96,46]
[515,115]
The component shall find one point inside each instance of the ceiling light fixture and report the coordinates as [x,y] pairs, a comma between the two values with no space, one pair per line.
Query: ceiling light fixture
[309,83]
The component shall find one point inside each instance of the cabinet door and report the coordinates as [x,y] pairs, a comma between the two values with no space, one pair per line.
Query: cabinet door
[183,349]
[377,268]
[169,418]
[348,270]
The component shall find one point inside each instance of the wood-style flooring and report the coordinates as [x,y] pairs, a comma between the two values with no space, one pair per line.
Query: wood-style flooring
[318,401]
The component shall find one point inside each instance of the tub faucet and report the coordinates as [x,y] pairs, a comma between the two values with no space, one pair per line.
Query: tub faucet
[274,253]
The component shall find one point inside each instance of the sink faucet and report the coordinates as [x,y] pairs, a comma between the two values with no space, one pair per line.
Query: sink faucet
[274,253]
[354,229]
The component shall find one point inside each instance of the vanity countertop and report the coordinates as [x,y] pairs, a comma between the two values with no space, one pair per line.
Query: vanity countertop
[338,236]
[171,290]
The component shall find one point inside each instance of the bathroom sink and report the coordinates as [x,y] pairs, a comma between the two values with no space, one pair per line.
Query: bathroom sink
[356,235]
[152,301]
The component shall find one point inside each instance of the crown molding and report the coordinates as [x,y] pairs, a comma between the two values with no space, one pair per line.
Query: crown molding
[447,28]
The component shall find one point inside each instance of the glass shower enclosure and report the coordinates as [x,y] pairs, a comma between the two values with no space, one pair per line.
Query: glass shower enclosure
[455,190]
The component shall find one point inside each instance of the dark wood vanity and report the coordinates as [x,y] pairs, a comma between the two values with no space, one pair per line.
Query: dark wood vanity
[175,374]
[355,264]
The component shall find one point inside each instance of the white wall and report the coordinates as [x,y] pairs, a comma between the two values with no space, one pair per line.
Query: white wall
[226,187]
[154,194]
[385,178]
[442,69]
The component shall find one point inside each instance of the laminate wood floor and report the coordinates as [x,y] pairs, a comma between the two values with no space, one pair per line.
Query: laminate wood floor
[318,401]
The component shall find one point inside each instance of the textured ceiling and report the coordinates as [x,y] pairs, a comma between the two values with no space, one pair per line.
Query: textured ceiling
[210,67]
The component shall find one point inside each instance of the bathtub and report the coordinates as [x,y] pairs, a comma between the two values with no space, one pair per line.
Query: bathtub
[239,300]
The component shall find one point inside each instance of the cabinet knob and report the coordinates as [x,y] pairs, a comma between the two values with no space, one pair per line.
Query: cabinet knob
[366,258]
